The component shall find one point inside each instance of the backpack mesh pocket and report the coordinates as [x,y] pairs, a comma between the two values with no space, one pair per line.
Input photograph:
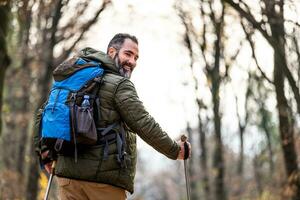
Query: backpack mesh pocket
[85,125]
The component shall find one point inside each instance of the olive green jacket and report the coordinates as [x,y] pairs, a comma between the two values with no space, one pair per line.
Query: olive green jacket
[119,102]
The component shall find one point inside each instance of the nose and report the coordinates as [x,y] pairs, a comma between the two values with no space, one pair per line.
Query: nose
[132,62]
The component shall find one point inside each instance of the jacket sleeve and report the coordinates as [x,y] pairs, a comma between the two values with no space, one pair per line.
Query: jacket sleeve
[39,148]
[139,120]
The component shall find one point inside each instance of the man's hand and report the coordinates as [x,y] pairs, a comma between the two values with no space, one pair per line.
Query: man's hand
[48,166]
[182,149]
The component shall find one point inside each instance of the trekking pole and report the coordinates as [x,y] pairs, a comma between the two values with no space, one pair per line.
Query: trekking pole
[186,173]
[50,180]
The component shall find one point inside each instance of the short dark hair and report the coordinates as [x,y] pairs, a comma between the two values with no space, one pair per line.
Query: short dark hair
[118,40]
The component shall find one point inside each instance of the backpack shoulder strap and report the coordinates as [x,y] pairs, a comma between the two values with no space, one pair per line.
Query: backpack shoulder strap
[95,92]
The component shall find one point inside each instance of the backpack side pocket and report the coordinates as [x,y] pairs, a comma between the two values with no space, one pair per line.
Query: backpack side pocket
[85,125]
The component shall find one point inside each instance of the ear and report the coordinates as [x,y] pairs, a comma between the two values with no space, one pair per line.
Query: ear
[112,52]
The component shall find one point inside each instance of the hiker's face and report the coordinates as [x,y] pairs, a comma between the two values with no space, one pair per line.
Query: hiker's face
[125,59]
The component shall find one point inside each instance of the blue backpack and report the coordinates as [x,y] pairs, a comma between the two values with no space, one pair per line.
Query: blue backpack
[68,115]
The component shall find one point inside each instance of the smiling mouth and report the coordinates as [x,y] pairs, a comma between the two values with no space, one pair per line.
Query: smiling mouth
[126,68]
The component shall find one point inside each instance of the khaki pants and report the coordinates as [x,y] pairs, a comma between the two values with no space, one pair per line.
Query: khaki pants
[70,189]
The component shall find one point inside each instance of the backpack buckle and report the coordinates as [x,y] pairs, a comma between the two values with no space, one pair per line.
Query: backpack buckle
[73,96]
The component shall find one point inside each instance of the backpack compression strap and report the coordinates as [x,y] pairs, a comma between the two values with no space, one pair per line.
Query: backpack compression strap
[104,138]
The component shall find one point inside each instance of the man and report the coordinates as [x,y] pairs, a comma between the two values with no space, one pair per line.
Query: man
[92,176]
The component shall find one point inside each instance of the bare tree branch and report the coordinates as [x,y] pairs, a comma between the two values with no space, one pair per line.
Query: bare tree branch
[249,38]
[297,24]
[83,29]
[203,44]
[67,31]
[55,20]
[294,39]
[293,85]
[232,59]
[251,19]
[187,40]
[271,41]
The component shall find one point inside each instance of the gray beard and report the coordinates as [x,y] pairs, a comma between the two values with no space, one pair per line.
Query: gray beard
[124,73]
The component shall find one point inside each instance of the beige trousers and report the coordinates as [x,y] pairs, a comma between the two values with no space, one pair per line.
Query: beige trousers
[70,189]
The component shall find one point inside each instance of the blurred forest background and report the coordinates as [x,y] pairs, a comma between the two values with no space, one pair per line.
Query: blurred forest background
[241,74]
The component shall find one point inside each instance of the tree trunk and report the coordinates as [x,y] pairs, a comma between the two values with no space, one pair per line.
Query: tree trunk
[191,165]
[271,162]
[4,58]
[285,122]
[203,161]
[275,19]
[33,167]
[269,143]
[257,175]
[242,127]
[241,157]
[286,129]
[33,171]
[218,161]
[240,169]
[17,101]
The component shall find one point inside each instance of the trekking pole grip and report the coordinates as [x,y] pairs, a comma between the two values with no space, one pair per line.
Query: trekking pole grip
[186,146]
[183,138]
